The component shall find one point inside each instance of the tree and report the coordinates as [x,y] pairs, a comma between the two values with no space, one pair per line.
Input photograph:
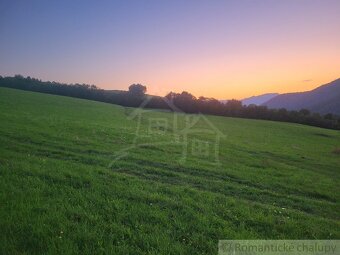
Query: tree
[304,112]
[187,96]
[328,116]
[234,104]
[184,101]
[171,96]
[137,90]
[233,107]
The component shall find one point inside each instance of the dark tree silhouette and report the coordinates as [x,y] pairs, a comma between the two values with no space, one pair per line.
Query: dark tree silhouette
[138,90]
[328,116]
[183,101]
[304,112]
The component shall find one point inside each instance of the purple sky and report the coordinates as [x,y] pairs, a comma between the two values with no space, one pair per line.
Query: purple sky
[223,49]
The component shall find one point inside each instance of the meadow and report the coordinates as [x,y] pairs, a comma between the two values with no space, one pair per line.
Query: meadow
[75,177]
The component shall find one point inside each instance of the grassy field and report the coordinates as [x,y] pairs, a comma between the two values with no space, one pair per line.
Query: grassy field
[63,190]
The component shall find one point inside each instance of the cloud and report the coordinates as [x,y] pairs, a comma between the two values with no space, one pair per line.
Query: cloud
[308,80]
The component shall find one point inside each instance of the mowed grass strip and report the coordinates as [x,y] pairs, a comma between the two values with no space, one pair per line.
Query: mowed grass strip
[62,193]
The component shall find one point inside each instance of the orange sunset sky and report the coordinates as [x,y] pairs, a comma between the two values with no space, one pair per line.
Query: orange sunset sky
[221,49]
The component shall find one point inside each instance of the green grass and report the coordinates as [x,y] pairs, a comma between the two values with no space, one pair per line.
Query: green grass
[58,194]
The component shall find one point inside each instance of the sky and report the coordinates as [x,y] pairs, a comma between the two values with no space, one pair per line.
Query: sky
[221,49]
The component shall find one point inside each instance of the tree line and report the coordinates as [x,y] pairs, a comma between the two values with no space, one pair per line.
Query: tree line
[184,101]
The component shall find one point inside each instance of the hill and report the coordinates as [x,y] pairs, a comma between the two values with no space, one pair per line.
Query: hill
[258,100]
[73,180]
[185,101]
[324,99]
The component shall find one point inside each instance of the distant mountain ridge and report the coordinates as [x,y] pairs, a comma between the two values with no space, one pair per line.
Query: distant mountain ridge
[323,99]
[258,100]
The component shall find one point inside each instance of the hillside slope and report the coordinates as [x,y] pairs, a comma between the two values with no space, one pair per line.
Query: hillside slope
[324,99]
[258,100]
[83,177]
